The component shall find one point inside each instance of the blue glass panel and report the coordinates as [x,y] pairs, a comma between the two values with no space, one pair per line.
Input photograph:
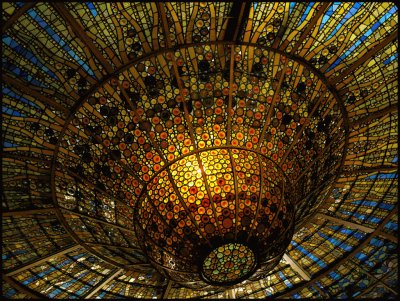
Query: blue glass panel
[386,206]
[11,112]
[311,256]
[92,9]
[361,256]
[18,252]
[26,54]
[83,289]
[358,215]
[101,295]
[334,275]
[373,204]
[376,242]
[41,274]
[371,30]
[72,281]
[373,219]
[314,291]
[296,296]
[363,37]
[392,226]
[358,235]
[78,256]
[329,13]
[287,282]
[349,13]
[20,73]
[335,63]
[11,292]
[54,293]
[29,280]
[383,176]
[321,287]
[111,286]
[310,5]
[8,144]
[336,242]
[69,283]
[59,40]
[355,234]
[291,6]
[365,203]
[363,284]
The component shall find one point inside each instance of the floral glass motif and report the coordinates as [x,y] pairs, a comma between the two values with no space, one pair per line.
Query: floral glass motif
[228,263]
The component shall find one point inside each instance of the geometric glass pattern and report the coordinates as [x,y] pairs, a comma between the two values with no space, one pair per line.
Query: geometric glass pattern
[99,99]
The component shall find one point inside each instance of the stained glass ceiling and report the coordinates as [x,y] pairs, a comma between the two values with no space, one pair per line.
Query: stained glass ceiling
[105,103]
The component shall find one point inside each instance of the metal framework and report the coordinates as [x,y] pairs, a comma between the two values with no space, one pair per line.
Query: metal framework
[102,284]
[379,282]
[27,212]
[374,49]
[236,20]
[346,257]
[296,267]
[38,261]
[28,90]
[16,16]
[355,226]
[374,115]
[344,223]
[235,24]
[310,27]
[22,288]
[372,169]
[231,293]
[373,277]
[79,31]
[167,290]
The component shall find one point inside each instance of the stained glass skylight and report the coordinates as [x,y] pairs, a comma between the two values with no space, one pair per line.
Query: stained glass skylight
[104,105]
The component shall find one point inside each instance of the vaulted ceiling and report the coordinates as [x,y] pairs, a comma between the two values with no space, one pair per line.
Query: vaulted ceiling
[104,102]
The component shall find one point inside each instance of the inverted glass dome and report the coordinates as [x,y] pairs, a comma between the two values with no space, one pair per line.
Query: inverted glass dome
[202,163]
[199,149]
[216,220]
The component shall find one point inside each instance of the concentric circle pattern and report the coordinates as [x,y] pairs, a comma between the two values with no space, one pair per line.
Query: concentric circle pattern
[199,149]
[228,263]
